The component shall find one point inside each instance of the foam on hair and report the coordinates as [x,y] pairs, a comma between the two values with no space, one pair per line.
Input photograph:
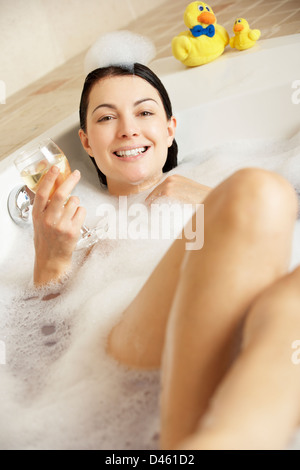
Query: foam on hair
[119,48]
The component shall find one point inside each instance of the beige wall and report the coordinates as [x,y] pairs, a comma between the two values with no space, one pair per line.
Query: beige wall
[36,36]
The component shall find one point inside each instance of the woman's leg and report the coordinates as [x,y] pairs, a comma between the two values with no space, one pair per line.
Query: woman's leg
[132,341]
[249,222]
[138,339]
[257,405]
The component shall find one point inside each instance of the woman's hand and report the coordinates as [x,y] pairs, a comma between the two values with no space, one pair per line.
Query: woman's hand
[56,226]
[180,188]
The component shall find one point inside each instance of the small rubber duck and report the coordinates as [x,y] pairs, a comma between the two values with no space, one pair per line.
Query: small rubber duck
[244,36]
[204,41]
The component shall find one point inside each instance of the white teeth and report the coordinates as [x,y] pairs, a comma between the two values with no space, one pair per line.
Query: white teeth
[131,153]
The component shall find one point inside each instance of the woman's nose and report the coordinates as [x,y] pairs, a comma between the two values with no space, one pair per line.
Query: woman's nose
[128,128]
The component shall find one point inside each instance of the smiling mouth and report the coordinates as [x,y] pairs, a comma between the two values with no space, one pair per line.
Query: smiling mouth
[131,153]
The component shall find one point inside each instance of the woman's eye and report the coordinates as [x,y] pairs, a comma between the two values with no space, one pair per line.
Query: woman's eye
[146,113]
[105,118]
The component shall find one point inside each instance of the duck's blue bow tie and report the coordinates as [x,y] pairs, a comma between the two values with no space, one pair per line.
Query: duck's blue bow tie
[198,30]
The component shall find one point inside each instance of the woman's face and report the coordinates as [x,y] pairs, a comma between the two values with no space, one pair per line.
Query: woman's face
[127,133]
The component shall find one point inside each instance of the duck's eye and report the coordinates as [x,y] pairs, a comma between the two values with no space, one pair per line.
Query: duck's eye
[200,8]
[239,21]
[207,8]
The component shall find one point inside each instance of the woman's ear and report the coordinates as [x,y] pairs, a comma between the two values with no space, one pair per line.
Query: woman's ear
[171,129]
[85,142]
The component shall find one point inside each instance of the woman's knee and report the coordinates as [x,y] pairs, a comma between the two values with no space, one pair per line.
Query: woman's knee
[264,191]
[253,197]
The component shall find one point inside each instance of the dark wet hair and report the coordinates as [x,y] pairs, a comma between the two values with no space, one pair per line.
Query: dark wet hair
[140,71]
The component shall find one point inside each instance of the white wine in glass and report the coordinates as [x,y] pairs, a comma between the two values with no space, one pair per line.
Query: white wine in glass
[34,172]
[33,164]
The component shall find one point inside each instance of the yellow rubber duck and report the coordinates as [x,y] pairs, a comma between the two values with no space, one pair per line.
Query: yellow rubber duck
[244,36]
[205,40]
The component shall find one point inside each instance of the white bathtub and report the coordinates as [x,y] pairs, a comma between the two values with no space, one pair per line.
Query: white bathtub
[242,96]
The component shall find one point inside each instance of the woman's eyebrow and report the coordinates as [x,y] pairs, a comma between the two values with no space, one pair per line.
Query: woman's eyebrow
[144,99]
[112,106]
[104,105]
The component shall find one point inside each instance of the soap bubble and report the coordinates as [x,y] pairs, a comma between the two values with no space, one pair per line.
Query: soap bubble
[119,48]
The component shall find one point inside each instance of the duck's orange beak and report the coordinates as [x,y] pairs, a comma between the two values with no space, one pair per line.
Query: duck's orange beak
[238,27]
[206,17]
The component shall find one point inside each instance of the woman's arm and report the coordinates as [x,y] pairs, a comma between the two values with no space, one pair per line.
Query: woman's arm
[180,188]
[56,227]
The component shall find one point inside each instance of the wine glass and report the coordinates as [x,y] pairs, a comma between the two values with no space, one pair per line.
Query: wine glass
[33,164]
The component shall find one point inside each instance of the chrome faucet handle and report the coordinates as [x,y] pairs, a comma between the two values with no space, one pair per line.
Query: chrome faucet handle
[19,204]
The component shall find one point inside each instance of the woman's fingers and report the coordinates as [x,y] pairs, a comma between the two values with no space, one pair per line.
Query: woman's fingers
[70,207]
[79,216]
[157,192]
[42,195]
[179,188]
[62,193]
[173,186]
[73,212]
[61,214]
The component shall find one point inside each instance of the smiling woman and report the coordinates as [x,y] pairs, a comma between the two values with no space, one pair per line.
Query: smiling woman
[115,131]
[188,316]
[152,106]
